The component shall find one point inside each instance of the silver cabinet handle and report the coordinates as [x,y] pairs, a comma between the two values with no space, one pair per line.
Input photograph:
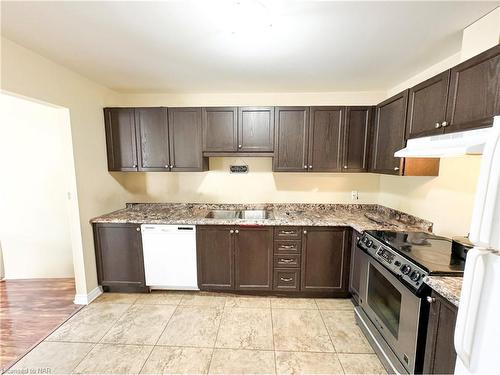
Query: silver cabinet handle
[345,166]
[171,165]
[287,247]
[240,146]
[286,260]
[236,231]
[231,231]
[286,279]
[310,167]
[305,232]
[396,168]
[134,166]
[438,125]
[431,299]
[287,232]
[167,166]
[305,166]
[444,124]
[138,229]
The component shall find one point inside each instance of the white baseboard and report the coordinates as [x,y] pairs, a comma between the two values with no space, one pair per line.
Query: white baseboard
[85,299]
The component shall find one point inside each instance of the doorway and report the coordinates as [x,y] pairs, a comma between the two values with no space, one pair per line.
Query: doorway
[37,206]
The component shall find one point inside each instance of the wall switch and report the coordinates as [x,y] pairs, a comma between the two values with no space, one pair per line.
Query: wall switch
[354,195]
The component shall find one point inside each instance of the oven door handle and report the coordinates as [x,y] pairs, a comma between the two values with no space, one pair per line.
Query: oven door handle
[469,304]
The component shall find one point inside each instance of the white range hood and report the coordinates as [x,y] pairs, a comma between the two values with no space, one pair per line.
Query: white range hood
[469,142]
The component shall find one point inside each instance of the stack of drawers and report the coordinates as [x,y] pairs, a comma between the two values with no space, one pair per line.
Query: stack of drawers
[286,264]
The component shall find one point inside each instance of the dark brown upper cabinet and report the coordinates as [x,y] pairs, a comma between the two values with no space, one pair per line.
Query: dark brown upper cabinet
[326,128]
[474,93]
[119,258]
[427,107]
[238,130]
[255,129]
[254,258]
[291,139]
[121,139]
[152,137]
[325,260]
[355,152]
[185,134]
[389,134]
[220,129]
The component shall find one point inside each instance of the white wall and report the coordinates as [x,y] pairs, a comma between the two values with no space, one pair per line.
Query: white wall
[34,221]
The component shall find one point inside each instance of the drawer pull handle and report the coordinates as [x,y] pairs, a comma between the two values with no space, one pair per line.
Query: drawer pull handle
[287,247]
[284,260]
[286,279]
[287,232]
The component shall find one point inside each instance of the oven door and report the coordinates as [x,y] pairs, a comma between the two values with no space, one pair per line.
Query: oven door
[394,310]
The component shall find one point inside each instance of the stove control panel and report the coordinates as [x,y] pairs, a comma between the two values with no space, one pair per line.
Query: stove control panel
[402,267]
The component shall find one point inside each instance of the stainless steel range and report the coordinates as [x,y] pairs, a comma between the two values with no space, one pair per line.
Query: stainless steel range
[393,310]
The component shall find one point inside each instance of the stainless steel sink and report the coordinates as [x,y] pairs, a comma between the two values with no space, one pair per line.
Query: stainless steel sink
[223,214]
[256,214]
[243,214]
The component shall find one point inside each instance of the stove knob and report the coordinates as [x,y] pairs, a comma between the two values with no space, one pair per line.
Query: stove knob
[405,269]
[369,243]
[415,276]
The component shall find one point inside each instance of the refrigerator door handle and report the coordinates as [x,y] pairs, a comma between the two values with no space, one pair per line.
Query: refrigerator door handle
[469,304]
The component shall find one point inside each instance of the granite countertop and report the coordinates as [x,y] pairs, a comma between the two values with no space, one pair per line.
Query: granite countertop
[449,287]
[361,217]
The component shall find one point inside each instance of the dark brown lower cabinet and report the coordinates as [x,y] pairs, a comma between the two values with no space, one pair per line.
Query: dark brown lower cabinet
[215,257]
[325,260]
[254,258]
[440,356]
[119,258]
[356,266]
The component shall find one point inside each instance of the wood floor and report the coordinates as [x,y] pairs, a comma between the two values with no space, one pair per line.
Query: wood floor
[29,311]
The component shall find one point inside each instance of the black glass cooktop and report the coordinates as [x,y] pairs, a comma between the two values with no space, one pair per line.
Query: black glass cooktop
[427,250]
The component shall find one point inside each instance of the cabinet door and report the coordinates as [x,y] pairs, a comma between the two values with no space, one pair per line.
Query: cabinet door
[256,129]
[215,257]
[474,96]
[152,132]
[389,134]
[254,258]
[325,265]
[356,266]
[121,139]
[440,356]
[427,107]
[184,128]
[220,130]
[325,139]
[120,263]
[290,140]
[356,133]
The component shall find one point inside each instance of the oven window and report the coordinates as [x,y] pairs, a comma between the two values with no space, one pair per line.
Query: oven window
[384,299]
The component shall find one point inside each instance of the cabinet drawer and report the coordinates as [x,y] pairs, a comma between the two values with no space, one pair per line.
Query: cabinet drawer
[287,261]
[286,247]
[292,233]
[286,279]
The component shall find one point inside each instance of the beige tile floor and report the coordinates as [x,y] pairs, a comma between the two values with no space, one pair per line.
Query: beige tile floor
[206,333]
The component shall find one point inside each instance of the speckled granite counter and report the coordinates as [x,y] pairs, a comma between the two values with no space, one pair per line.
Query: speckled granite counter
[358,216]
[449,287]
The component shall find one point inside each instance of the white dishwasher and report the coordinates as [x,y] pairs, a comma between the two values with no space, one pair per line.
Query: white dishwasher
[170,256]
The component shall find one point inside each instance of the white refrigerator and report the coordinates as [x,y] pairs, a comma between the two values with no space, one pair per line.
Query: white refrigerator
[477,332]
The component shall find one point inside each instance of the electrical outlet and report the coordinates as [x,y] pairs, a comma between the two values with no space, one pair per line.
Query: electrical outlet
[354,195]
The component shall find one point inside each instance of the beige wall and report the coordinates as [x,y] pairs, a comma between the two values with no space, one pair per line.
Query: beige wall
[26,73]
[34,229]
[446,200]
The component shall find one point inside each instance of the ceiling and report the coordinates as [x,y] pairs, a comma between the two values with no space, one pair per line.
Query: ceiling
[242,46]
